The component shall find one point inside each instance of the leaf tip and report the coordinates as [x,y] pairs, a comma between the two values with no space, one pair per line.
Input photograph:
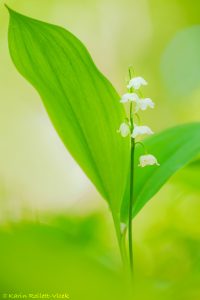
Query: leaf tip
[10,10]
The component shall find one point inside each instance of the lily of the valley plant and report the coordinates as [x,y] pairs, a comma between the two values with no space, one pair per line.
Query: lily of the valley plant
[129,129]
[86,111]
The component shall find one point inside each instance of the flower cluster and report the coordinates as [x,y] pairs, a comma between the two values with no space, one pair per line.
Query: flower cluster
[135,130]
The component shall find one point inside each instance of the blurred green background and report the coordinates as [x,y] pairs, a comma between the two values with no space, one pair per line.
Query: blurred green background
[56,233]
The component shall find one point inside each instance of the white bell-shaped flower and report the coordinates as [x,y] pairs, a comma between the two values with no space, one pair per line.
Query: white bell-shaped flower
[124,129]
[136,83]
[141,130]
[129,97]
[143,104]
[148,160]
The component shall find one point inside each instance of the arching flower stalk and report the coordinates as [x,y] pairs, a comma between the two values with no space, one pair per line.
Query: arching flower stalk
[129,129]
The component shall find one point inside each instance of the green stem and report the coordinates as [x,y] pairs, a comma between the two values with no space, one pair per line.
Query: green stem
[130,229]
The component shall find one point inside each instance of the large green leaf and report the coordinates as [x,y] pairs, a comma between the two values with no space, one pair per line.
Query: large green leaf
[82,104]
[174,148]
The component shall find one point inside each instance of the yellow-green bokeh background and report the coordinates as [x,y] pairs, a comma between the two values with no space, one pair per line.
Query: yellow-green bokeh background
[56,232]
